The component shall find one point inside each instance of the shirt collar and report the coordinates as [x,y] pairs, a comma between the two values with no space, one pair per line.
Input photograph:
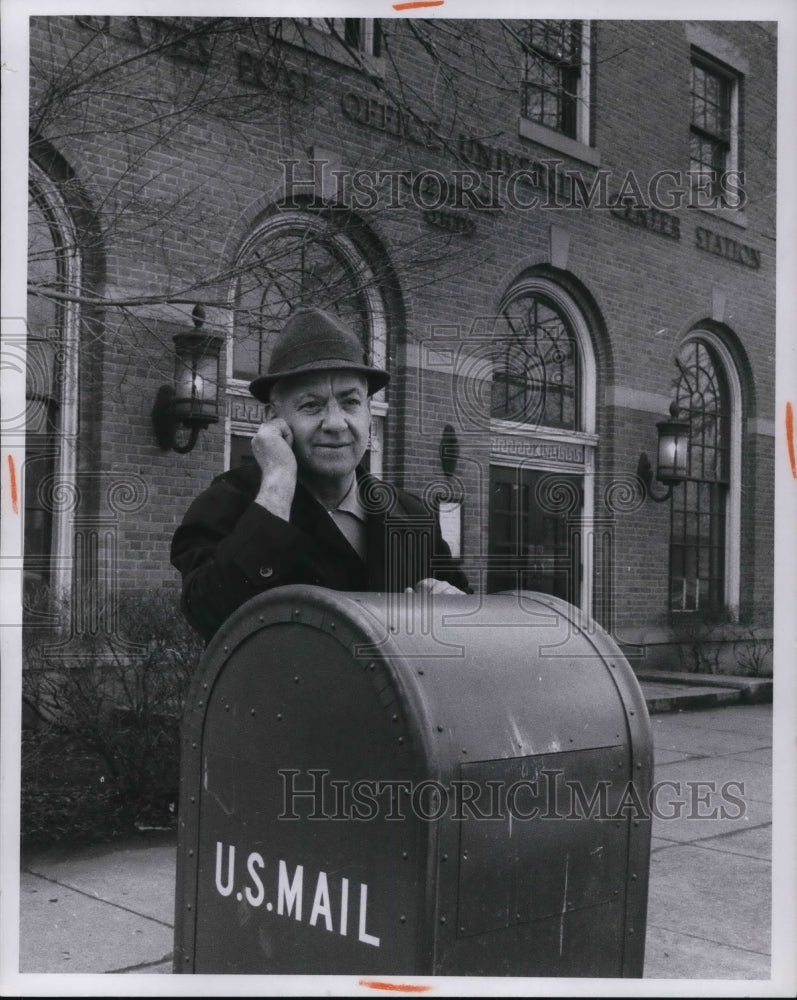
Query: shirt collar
[351,502]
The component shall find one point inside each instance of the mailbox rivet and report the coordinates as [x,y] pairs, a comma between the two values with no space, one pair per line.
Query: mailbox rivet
[439,729]
[279,716]
[295,612]
[193,798]
[295,680]
[333,626]
[464,750]
[401,739]
[442,920]
[616,892]
[200,702]
[404,855]
[191,853]
[403,919]
[193,746]
[205,687]
[420,672]
[636,822]
[633,878]
[226,649]
[630,712]
[226,708]
[445,857]
[395,717]
[372,666]
[251,711]
[188,906]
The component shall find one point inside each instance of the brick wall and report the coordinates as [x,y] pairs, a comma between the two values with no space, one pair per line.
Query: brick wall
[180,196]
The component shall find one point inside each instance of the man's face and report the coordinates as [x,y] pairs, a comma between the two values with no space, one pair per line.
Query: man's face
[329,415]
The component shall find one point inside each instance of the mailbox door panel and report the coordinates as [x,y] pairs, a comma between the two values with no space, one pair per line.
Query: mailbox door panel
[303,866]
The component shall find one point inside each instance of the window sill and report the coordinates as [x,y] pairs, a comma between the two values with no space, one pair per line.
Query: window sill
[554,140]
[328,47]
[735,216]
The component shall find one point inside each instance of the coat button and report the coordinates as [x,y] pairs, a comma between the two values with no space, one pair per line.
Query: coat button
[266,572]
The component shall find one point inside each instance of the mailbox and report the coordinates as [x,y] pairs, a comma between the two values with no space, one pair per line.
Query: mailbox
[397,784]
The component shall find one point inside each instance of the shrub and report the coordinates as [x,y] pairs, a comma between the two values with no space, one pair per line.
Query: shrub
[113,703]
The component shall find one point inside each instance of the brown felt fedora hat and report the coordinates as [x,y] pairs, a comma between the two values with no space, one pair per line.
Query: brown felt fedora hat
[314,340]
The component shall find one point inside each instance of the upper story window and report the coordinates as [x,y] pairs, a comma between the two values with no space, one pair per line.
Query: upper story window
[537,374]
[555,82]
[363,34]
[714,132]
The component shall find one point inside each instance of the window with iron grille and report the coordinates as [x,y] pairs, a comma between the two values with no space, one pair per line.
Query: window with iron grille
[698,513]
[714,135]
[536,373]
[552,72]
[299,258]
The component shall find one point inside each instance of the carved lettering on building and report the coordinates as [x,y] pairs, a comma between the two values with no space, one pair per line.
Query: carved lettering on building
[275,77]
[452,222]
[653,219]
[724,246]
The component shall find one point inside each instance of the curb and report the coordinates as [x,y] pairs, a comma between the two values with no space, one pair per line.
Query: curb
[700,690]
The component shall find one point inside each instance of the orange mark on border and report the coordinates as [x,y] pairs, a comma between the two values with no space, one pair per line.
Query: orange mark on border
[374,984]
[12,472]
[790,438]
[418,3]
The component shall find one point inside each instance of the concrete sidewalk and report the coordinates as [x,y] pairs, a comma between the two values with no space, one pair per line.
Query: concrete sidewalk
[110,908]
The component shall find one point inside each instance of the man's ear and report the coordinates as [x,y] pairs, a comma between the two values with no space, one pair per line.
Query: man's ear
[271,411]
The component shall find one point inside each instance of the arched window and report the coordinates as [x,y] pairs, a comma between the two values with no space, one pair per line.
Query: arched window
[52,375]
[537,375]
[294,259]
[542,420]
[704,569]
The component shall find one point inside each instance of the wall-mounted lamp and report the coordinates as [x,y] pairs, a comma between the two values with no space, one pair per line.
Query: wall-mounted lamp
[193,400]
[673,456]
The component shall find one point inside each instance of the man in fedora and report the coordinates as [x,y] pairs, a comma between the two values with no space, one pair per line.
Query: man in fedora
[304,511]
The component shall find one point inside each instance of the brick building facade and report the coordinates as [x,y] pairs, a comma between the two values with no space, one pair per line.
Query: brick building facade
[548,231]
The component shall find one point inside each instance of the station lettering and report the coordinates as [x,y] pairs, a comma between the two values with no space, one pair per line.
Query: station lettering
[330,894]
[724,246]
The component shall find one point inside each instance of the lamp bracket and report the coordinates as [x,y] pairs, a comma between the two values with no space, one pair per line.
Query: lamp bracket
[645,474]
[165,423]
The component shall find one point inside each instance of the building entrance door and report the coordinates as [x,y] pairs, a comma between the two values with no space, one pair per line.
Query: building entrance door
[535,529]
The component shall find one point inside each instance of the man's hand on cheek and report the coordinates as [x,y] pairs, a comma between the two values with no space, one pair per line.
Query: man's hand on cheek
[273,452]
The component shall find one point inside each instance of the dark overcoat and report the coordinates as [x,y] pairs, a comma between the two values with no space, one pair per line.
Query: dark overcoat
[228,548]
